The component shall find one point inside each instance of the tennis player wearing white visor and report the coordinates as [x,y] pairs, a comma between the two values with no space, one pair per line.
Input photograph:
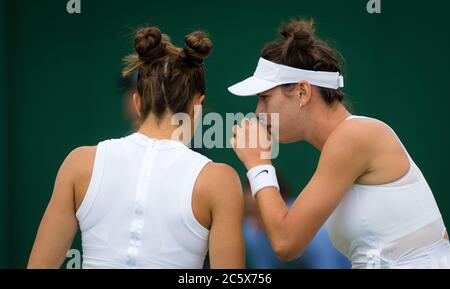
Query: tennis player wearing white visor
[379,210]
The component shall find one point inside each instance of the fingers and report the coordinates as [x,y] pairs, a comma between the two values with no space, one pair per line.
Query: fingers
[235,129]
[233,142]
[245,133]
[245,124]
[245,121]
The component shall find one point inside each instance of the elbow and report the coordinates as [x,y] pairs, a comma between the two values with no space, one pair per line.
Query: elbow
[286,251]
[285,256]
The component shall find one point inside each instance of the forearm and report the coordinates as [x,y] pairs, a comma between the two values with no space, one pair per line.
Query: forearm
[273,212]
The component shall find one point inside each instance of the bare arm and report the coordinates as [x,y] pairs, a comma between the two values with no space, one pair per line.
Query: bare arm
[291,230]
[59,224]
[226,244]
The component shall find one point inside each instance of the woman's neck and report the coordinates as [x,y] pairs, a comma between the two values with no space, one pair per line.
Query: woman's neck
[161,128]
[322,125]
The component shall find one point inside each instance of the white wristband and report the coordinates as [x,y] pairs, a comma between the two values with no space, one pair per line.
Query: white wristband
[262,176]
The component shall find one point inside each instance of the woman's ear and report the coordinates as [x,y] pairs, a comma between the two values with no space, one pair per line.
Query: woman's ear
[137,104]
[304,91]
[198,100]
[201,99]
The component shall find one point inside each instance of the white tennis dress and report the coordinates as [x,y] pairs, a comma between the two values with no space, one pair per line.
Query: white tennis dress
[394,225]
[137,212]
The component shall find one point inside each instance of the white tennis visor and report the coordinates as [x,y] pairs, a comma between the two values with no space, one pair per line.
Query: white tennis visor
[269,75]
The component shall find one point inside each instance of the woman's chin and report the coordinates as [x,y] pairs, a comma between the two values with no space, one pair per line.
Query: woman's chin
[288,139]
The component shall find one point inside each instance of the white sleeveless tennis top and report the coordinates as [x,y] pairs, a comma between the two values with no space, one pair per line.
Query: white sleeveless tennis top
[137,212]
[394,225]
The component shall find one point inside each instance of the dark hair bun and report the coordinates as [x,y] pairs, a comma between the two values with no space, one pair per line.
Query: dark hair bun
[300,33]
[197,47]
[148,44]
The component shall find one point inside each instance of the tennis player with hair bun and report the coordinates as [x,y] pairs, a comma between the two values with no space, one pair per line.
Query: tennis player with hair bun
[377,205]
[147,200]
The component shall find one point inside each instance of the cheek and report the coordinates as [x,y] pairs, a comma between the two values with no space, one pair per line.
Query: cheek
[283,106]
[287,115]
[272,106]
[288,123]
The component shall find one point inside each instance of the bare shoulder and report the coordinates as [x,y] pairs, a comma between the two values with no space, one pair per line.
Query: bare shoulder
[219,172]
[359,133]
[81,154]
[219,182]
[369,125]
[352,146]
[76,171]
[80,161]
[77,168]
[367,149]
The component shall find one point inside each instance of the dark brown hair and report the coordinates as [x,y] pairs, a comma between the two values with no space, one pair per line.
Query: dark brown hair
[168,76]
[299,47]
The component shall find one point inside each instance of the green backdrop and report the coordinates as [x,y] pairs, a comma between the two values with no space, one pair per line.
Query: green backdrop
[58,83]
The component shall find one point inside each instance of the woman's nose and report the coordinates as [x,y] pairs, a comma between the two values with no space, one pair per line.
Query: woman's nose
[259,108]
